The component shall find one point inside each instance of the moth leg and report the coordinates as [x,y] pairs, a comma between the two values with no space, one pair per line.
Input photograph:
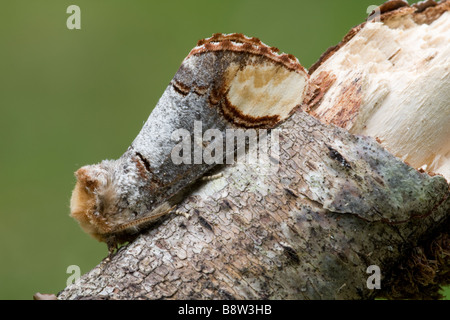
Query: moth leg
[213,177]
[113,246]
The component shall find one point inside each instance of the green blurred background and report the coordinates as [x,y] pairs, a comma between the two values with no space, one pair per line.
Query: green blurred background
[75,97]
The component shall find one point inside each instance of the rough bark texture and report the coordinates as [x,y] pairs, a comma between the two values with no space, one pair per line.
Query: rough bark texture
[338,204]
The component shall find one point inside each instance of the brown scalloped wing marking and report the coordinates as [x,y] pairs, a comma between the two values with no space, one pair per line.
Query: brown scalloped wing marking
[392,5]
[234,115]
[180,87]
[423,5]
[258,90]
[238,42]
[236,37]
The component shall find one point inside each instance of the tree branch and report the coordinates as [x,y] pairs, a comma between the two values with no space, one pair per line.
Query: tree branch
[338,202]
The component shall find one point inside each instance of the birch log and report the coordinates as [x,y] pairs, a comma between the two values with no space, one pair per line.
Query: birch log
[340,201]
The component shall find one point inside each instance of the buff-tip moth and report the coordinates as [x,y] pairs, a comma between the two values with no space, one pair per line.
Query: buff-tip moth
[226,81]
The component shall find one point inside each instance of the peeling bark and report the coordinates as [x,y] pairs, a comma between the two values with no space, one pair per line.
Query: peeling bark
[338,204]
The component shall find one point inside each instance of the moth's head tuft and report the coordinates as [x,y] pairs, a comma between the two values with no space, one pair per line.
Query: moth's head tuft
[94,199]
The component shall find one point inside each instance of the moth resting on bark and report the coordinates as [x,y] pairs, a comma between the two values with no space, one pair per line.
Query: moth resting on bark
[226,82]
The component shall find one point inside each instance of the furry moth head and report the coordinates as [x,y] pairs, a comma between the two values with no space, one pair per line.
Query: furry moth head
[95,201]
[226,81]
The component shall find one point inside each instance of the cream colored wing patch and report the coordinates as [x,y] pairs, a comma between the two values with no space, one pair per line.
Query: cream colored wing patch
[267,91]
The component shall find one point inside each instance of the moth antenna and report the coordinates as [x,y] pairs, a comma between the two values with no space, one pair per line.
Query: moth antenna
[212,177]
[152,216]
